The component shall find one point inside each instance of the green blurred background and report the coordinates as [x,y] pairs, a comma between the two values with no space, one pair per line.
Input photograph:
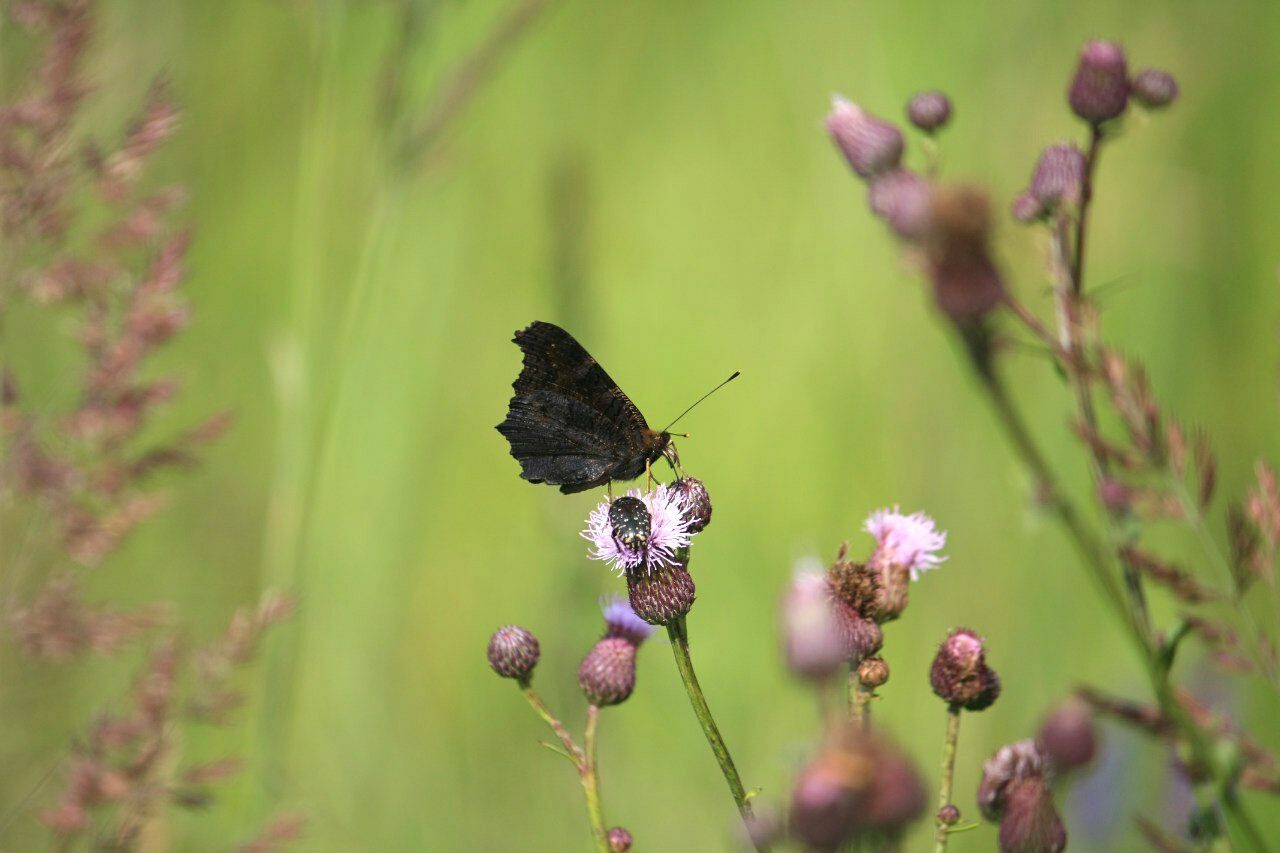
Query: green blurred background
[655,177]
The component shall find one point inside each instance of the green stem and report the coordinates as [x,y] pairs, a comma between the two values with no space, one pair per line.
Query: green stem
[678,632]
[591,781]
[859,699]
[948,774]
[541,709]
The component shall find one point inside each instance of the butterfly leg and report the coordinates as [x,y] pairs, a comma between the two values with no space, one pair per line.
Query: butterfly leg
[648,476]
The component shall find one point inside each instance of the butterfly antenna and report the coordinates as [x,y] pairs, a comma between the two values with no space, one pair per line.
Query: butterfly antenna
[735,375]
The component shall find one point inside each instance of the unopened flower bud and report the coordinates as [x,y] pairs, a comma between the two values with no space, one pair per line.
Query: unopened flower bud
[873,672]
[1058,178]
[811,636]
[929,111]
[695,503]
[1067,737]
[825,803]
[901,198]
[871,145]
[513,652]
[1100,89]
[661,596]
[1025,208]
[949,815]
[897,797]
[619,840]
[1031,823]
[960,674]
[607,675]
[1154,89]
[1011,763]
[630,522]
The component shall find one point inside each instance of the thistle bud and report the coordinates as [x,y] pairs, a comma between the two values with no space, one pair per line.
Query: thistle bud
[607,675]
[695,503]
[871,145]
[1154,89]
[1100,89]
[1025,208]
[1031,823]
[873,672]
[815,647]
[1011,763]
[619,840]
[513,652]
[1058,178]
[960,674]
[825,802]
[929,111]
[949,815]
[630,522]
[662,595]
[901,198]
[1067,737]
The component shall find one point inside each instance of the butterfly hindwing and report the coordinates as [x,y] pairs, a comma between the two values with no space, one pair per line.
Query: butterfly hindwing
[569,424]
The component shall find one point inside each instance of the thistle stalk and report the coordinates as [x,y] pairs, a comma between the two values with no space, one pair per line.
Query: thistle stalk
[678,632]
[942,831]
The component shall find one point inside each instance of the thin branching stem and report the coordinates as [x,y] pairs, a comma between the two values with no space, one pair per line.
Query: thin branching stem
[941,830]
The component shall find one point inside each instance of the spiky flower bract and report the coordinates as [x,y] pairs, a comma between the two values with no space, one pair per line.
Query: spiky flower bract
[907,540]
[668,533]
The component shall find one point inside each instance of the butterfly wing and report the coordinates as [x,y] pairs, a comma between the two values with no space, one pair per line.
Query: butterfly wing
[569,424]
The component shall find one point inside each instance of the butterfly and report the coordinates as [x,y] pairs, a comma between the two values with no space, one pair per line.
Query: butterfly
[569,424]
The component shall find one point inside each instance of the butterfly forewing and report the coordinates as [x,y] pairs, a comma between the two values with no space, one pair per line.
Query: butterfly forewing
[569,424]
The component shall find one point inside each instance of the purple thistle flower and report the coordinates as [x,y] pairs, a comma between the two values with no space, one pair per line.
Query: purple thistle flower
[621,621]
[668,533]
[1154,88]
[907,540]
[870,144]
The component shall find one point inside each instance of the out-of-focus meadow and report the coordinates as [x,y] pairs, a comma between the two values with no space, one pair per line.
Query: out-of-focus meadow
[656,178]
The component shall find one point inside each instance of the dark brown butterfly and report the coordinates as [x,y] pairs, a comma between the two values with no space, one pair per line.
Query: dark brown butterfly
[569,424]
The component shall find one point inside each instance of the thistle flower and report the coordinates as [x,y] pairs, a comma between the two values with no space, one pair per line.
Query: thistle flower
[901,198]
[695,501]
[663,595]
[1058,178]
[873,672]
[960,674]
[857,783]
[1026,208]
[814,646]
[620,840]
[1067,736]
[912,541]
[1031,823]
[1154,89]
[513,652]
[870,144]
[1100,89]
[1013,762]
[929,111]
[668,531]
[859,636]
[607,675]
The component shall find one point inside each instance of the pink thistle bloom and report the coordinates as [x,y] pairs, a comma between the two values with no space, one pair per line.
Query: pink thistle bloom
[907,540]
[621,621]
[668,533]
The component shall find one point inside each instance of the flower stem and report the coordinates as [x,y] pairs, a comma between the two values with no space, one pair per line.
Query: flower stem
[591,781]
[859,699]
[584,760]
[679,634]
[948,773]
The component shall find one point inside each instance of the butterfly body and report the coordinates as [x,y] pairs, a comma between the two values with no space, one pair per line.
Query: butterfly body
[569,424]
